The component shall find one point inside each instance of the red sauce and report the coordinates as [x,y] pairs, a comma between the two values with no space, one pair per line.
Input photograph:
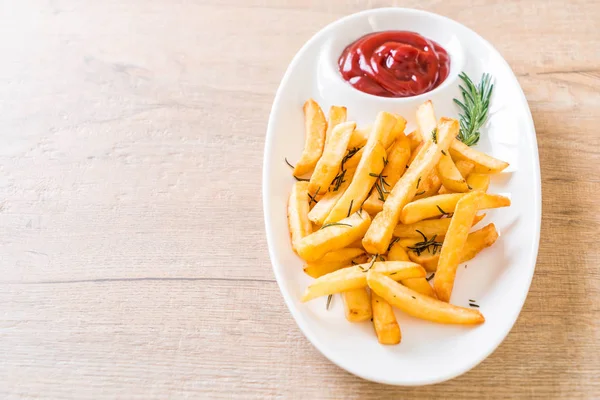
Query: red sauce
[394,64]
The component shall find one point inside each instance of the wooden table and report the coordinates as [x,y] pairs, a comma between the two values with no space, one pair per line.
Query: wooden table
[132,250]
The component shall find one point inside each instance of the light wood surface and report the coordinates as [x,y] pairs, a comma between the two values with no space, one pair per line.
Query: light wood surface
[133,258]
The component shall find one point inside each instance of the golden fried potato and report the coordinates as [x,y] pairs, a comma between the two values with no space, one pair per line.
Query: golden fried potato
[429,187]
[483,163]
[316,127]
[333,237]
[334,261]
[397,253]
[426,258]
[384,321]
[415,139]
[379,235]
[298,206]
[450,175]
[385,128]
[355,277]
[328,165]
[428,227]
[479,181]
[441,204]
[477,241]
[397,159]
[420,306]
[464,167]
[360,136]
[337,115]
[366,174]
[454,242]
[417,150]
[426,121]
[357,305]
[321,210]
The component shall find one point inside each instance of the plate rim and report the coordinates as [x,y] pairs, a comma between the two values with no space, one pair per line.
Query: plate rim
[537,203]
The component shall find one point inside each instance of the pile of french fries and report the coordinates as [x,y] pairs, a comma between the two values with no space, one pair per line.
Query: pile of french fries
[381,209]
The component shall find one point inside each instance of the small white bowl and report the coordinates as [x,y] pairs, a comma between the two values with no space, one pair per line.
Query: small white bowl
[498,278]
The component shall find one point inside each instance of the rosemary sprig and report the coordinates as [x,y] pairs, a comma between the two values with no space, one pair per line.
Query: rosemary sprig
[334,224]
[338,180]
[350,208]
[313,197]
[430,277]
[426,244]
[328,301]
[434,135]
[474,106]
[349,155]
[372,262]
[441,210]
[380,185]
[295,177]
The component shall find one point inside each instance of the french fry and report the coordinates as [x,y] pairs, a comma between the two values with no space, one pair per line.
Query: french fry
[425,258]
[397,131]
[298,206]
[415,139]
[379,235]
[334,261]
[426,120]
[315,127]
[412,242]
[370,159]
[441,204]
[357,305]
[329,164]
[483,163]
[479,181]
[360,136]
[420,306]
[384,321]
[367,173]
[397,253]
[321,210]
[355,277]
[353,157]
[476,241]
[333,237]
[337,115]
[428,227]
[450,175]
[393,170]
[356,245]
[384,129]
[430,187]
[464,167]
[415,152]
[454,243]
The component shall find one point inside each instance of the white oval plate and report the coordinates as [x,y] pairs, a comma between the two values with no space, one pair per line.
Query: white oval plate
[498,278]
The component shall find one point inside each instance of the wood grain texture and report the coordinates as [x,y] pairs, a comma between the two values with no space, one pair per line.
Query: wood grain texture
[132,251]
